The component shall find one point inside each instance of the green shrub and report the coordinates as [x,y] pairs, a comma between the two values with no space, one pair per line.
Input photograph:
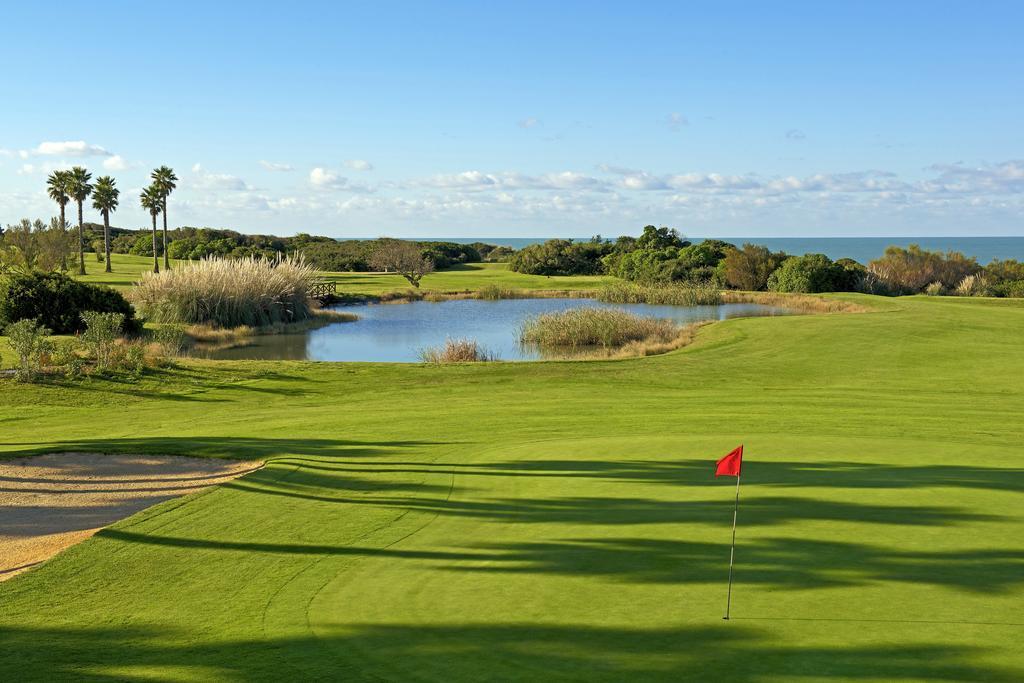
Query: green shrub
[749,267]
[32,345]
[605,327]
[806,274]
[228,292]
[102,331]
[448,254]
[57,301]
[129,358]
[65,357]
[560,257]
[171,339]
[1012,288]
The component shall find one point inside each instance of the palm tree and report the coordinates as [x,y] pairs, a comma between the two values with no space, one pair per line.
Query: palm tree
[56,187]
[79,189]
[165,181]
[104,199]
[153,201]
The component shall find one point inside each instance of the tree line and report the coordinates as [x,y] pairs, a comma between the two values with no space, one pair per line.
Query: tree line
[76,184]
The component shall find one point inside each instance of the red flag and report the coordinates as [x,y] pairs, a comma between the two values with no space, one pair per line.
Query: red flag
[730,465]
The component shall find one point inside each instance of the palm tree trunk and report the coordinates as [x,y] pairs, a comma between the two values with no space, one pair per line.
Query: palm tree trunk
[167,262]
[81,242]
[156,256]
[106,237]
[63,251]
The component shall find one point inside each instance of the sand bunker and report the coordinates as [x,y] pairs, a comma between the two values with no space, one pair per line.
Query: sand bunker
[50,502]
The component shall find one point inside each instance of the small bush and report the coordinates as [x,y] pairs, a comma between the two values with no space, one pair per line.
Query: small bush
[66,359]
[605,327]
[32,344]
[935,289]
[1012,288]
[694,294]
[101,333]
[57,301]
[805,274]
[129,358]
[457,351]
[172,339]
[749,267]
[228,292]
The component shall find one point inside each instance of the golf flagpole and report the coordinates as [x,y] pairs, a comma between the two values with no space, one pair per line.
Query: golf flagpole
[730,466]
[732,549]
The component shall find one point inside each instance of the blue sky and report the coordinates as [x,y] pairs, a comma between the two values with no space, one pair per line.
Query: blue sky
[528,119]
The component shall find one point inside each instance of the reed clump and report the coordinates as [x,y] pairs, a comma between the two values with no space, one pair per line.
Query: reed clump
[228,293]
[681,294]
[457,351]
[594,327]
[797,303]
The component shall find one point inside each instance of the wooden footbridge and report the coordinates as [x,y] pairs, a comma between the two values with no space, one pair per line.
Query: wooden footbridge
[322,290]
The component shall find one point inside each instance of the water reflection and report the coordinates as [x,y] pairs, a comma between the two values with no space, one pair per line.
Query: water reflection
[397,332]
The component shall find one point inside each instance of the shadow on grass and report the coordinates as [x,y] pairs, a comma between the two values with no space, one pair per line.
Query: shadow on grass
[220,446]
[780,563]
[700,472]
[481,651]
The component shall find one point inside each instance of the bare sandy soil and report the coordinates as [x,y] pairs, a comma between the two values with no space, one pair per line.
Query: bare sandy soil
[50,502]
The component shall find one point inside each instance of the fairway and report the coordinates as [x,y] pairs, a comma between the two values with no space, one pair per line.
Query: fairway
[128,270]
[559,520]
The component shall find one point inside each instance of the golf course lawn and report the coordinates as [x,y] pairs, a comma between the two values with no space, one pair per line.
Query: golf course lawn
[128,269]
[558,520]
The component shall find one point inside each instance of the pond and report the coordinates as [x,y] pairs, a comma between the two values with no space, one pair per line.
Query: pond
[397,332]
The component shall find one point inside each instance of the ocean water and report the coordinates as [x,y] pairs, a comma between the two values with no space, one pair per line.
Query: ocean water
[862,249]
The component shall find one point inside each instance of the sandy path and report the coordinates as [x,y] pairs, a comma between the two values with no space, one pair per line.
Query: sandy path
[50,502]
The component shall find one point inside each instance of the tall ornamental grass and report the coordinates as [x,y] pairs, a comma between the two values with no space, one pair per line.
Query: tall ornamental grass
[228,292]
[688,294]
[604,327]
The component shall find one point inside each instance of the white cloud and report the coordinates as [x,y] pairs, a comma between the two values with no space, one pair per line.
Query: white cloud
[1002,178]
[479,180]
[528,122]
[115,163]
[205,181]
[359,165]
[322,177]
[675,121]
[795,134]
[71,148]
[273,166]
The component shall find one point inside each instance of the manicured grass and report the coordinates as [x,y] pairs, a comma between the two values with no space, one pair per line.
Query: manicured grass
[128,269]
[559,520]
[471,276]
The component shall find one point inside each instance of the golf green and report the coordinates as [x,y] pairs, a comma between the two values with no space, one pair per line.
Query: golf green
[559,520]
